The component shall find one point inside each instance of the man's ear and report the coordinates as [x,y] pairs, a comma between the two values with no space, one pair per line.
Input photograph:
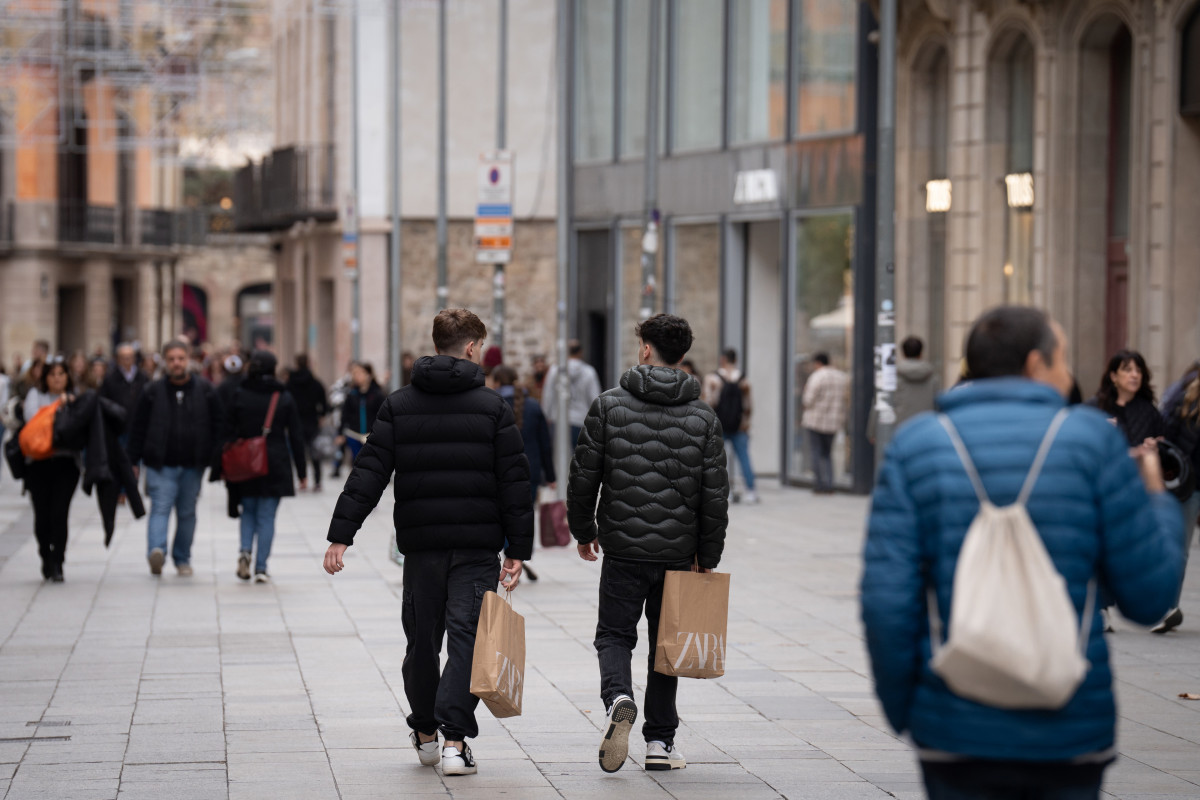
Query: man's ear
[1035,364]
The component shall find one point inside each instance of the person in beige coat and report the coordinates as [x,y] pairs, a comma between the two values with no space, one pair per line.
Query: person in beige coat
[825,399]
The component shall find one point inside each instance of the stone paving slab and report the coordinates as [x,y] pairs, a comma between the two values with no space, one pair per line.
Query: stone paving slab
[118,684]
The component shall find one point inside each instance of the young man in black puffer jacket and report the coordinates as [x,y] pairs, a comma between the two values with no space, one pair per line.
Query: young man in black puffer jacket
[462,496]
[656,455]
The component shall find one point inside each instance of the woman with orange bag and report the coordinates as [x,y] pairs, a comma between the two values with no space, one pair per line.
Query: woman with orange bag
[51,481]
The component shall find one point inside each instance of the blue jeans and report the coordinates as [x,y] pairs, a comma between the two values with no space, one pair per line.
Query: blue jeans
[740,442]
[1009,780]
[173,488]
[1190,508]
[258,517]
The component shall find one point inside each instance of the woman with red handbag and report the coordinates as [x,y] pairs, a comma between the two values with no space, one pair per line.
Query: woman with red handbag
[51,480]
[262,407]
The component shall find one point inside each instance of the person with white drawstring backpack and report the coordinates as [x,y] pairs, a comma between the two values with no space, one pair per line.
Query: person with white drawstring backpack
[993,525]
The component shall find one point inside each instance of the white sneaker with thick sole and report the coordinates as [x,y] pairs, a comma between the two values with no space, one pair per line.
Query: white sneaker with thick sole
[614,747]
[429,752]
[660,756]
[458,762]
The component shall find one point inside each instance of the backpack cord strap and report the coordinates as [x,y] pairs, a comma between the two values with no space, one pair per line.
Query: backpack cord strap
[965,457]
[1042,453]
[935,619]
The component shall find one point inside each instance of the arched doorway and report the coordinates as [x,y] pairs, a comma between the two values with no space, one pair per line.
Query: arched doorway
[255,317]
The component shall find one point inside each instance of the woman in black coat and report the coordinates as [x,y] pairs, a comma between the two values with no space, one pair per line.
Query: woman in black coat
[244,419]
[360,408]
[532,423]
[1127,397]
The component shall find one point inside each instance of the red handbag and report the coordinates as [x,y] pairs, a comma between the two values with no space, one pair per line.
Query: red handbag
[553,519]
[246,459]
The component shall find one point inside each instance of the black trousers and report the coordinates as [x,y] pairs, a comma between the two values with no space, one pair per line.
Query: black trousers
[51,485]
[443,592]
[625,587]
[310,440]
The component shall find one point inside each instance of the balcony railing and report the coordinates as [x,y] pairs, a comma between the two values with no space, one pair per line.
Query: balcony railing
[83,223]
[290,185]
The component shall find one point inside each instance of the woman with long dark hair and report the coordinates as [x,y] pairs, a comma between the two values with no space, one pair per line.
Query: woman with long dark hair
[360,408]
[259,497]
[51,481]
[1127,396]
[1182,415]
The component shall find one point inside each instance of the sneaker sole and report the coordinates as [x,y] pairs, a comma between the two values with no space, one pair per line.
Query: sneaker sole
[1173,621]
[663,764]
[157,558]
[615,747]
[459,770]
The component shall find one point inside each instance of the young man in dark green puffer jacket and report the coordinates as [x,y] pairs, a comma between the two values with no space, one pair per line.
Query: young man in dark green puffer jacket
[656,456]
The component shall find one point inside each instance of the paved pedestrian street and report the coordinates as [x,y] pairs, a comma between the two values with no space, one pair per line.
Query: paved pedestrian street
[117,684]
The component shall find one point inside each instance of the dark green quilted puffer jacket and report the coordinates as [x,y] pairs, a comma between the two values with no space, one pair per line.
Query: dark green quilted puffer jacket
[655,454]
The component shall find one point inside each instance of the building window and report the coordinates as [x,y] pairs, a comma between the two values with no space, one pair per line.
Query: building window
[758,71]
[698,74]
[1020,192]
[1189,68]
[696,289]
[826,53]
[824,323]
[635,55]
[594,79]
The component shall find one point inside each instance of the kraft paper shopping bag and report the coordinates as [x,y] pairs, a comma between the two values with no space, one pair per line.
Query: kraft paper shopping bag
[498,665]
[692,625]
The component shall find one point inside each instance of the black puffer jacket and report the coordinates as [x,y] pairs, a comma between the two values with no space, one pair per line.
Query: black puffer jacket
[1139,420]
[656,455]
[462,479]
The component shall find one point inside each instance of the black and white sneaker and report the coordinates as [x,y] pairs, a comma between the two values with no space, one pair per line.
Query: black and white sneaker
[661,756]
[614,747]
[428,752]
[1170,622]
[457,762]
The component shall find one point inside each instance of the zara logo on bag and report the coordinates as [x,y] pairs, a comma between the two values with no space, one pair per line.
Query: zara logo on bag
[706,651]
[509,681]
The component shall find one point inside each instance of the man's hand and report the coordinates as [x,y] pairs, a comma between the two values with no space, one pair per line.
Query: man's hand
[697,568]
[137,472]
[1149,466]
[333,558]
[340,441]
[510,573]
[590,551]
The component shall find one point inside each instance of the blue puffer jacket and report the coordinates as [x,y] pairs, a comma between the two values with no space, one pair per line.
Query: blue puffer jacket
[1095,517]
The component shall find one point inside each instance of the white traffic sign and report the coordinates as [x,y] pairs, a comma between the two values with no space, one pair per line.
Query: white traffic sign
[493,209]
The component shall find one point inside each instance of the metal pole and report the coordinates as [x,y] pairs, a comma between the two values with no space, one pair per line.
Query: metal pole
[650,226]
[562,74]
[443,289]
[885,225]
[356,281]
[501,140]
[395,363]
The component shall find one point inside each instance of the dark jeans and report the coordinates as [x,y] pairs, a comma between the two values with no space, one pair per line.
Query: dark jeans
[309,441]
[1012,780]
[51,483]
[443,591]
[625,586]
[821,447]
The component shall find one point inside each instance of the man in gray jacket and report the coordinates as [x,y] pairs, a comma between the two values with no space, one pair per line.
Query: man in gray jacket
[655,454]
[583,387]
[916,386]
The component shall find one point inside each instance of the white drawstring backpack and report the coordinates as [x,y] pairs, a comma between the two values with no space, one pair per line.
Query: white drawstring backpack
[1014,640]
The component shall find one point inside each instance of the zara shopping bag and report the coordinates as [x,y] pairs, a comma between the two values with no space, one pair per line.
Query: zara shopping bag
[1014,639]
[498,666]
[691,627]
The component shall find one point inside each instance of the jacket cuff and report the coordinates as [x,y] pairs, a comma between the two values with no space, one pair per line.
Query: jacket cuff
[708,563]
[519,553]
[338,534]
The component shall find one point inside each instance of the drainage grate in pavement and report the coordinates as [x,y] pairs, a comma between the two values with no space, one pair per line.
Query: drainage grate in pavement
[48,723]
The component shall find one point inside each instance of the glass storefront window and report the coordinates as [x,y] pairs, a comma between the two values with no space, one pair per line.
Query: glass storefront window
[635,44]
[824,323]
[697,288]
[698,79]
[826,54]
[595,21]
[759,71]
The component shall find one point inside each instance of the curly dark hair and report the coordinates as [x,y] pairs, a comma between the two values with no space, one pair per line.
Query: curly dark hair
[1107,393]
[669,335]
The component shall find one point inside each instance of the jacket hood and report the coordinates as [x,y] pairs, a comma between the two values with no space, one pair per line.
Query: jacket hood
[263,383]
[914,371]
[1000,390]
[302,377]
[664,386]
[446,375]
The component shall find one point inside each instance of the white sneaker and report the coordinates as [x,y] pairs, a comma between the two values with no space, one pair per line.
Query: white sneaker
[262,577]
[614,747]
[456,762]
[661,756]
[751,498]
[426,751]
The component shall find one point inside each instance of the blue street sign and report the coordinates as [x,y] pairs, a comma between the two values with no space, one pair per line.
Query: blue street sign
[497,210]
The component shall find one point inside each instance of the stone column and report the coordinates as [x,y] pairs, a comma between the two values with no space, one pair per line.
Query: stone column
[98,304]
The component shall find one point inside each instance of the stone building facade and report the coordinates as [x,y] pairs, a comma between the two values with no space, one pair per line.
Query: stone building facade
[1046,154]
